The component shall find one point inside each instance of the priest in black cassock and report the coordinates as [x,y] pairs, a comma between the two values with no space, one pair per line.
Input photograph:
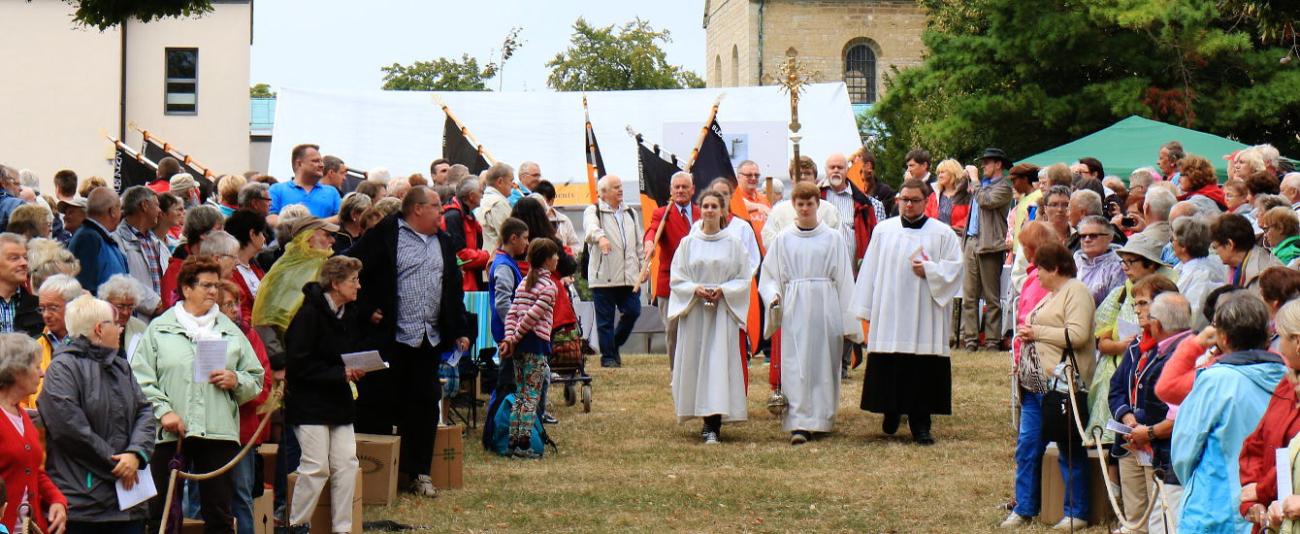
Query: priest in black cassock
[908,278]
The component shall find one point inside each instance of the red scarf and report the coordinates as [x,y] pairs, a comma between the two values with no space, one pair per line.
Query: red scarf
[1212,192]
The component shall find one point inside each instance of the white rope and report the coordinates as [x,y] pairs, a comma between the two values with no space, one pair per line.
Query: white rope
[1141,523]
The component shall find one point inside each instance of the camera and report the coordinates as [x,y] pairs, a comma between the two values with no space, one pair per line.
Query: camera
[1128,221]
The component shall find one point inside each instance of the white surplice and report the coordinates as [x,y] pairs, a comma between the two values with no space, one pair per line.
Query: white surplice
[708,376]
[743,232]
[810,271]
[783,216]
[909,314]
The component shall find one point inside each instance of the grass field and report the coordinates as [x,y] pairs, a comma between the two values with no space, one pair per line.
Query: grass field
[629,467]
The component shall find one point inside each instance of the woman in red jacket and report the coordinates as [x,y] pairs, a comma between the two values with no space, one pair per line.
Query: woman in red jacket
[21,454]
[1281,423]
[950,201]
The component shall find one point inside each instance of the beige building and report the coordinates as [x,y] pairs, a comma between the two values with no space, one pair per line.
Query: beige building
[856,41]
[66,86]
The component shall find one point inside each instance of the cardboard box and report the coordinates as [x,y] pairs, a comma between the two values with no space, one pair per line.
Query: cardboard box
[192,526]
[268,452]
[264,512]
[447,470]
[379,456]
[321,520]
[1053,486]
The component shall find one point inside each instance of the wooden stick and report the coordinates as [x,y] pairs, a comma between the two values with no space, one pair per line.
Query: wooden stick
[465,131]
[137,155]
[171,150]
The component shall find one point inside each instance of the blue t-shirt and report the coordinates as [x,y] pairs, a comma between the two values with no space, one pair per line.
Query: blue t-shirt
[323,200]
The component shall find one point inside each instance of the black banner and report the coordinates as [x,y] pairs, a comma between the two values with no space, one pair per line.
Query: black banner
[156,152]
[713,161]
[655,174]
[457,149]
[129,169]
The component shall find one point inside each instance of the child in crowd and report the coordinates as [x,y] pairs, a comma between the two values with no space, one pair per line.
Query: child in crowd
[528,340]
[506,273]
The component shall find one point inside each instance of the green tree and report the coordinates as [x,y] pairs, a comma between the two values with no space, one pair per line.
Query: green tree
[441,74]
[104,14]
[261,90]
[610,59]
[1027,75]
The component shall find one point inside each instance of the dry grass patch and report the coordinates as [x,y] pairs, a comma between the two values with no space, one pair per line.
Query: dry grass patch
[629,467]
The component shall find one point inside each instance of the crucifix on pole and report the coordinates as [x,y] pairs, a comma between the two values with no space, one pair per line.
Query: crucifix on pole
[793,77]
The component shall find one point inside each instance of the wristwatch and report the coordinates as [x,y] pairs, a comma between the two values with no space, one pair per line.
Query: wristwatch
[1151,433]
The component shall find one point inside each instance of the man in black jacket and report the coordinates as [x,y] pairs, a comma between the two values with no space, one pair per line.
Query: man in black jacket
[412,310]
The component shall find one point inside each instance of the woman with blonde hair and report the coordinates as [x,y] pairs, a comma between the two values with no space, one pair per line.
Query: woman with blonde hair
[352,209]
[950,201]
[46,258]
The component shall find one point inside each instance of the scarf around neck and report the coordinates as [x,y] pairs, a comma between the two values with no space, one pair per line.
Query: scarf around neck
[200,327]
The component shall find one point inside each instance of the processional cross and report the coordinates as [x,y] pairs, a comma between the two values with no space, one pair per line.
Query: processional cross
[794,76]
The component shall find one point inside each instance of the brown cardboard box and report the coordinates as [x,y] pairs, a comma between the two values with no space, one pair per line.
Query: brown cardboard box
[268,451]
[447,470]
[1053,486]
[321,521]
[378,456]
[192,526]
[264,512]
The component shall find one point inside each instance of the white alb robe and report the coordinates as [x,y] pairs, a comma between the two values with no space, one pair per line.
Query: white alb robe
[810,271]
[743,232]
[909,314]
[708,374]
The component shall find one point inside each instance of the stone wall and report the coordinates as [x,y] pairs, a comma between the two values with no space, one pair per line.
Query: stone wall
[819,31]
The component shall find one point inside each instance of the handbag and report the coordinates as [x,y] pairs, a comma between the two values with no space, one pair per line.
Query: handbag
[1060,401]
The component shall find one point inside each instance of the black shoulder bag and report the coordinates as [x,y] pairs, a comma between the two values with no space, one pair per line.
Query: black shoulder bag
[1057,419]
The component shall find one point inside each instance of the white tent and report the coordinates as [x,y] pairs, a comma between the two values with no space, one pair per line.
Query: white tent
[402,131]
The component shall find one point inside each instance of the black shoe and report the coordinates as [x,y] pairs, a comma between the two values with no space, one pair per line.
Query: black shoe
[890,425]
[548,419]
[923,438]
[610,363]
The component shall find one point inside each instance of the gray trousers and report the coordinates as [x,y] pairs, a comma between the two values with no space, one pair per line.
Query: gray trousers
[983,280]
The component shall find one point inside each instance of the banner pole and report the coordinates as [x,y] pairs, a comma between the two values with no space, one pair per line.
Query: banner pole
[171,150]
[699,141]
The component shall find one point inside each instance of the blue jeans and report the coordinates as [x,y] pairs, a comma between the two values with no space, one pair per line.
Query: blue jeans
[611,338]
[1029,464]
[244,480]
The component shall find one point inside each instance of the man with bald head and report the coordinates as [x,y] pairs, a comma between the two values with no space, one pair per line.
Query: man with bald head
[859,214]
[530,174]
[412,311]
[613,266]
[676,218]
[94,244]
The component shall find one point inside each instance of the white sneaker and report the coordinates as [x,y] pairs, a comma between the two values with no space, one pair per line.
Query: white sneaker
[1015,520]
[1070,523]
[711,438]
[422,486]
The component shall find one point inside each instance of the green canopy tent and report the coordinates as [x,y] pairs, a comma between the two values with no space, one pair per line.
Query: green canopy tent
[1134,142]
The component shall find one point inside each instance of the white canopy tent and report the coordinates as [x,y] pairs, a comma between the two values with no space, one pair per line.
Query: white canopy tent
[402,130]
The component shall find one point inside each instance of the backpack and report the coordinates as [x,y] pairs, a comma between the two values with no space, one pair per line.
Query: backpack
[496,427]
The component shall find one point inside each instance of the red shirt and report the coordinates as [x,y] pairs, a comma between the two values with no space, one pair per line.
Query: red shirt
[248,417]
[678,228]
[160,186]
[22,467]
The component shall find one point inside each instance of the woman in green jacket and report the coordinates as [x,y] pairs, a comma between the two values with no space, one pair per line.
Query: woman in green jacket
[1282,232]
[200,417]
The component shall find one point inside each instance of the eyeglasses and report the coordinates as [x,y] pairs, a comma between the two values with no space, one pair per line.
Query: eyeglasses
[1059,205]
[1129,262]
[207,285]
[750,174]
[124,307]
[1086,237]
[903,200]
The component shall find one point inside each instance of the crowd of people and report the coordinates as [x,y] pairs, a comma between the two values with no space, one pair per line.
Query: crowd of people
[143,331]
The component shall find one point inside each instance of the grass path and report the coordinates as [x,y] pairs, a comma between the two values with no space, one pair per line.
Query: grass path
[629,467]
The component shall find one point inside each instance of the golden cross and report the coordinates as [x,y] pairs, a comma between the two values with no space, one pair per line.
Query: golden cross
[794,76]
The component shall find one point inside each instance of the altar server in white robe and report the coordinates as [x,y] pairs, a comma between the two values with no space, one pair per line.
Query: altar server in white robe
[709,298]
[905,288]
[807,282]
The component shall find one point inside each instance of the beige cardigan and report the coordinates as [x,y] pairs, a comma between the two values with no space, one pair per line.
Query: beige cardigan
[1069,307]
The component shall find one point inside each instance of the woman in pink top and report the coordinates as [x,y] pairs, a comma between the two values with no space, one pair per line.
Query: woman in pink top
[1032,235]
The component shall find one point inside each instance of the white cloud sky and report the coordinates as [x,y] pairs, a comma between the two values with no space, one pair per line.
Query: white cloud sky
[341,44]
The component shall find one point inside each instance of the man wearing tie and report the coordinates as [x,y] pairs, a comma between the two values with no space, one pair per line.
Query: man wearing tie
[677,218]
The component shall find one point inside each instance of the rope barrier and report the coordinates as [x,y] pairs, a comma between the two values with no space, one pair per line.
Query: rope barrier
[1141,523]
[269,407]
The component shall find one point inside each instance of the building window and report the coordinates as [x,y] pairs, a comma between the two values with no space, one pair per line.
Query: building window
[717,71]
[860,73]
[182,96]
[735,66]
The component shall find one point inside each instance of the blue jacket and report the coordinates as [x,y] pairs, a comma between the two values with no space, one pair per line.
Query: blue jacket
[99,254]
[8,203]
[1149,409]
[1225,405]
[500,258]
